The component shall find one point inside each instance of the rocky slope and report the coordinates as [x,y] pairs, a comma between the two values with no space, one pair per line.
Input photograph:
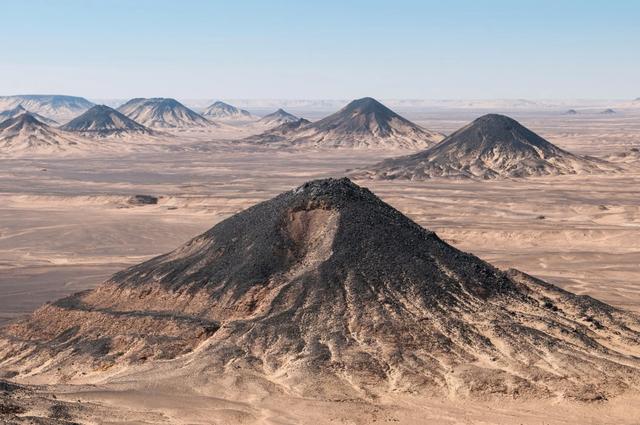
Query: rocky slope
[163,113]
[103,121]
[492,146]
[630,156]
[331,292]
[19,110]
[27,134]
[278,134]
[57,107]
[224,111]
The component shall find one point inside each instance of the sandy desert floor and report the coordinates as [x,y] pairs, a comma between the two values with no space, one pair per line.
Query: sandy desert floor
[65,225]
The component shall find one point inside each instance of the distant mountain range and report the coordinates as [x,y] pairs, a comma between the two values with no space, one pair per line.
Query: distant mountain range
[403,105]
[163,113]
[490,147]
[224,111]
[363,123]
[103,121]
[57,107]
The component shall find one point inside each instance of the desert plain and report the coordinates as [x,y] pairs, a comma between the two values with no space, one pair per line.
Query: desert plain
[67,224]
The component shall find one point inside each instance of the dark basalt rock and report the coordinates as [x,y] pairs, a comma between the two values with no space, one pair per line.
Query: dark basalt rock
[143,200]
[327,281]
[492,146]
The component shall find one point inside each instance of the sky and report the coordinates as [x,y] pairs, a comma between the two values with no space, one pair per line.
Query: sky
[329,49]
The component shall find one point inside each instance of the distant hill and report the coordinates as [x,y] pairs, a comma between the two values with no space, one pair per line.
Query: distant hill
[224,111]
[27,134]
[277,118]
[363,123]
[57,107]
[492,146]
[367,123]
[19,110]
[571,112]
[608,111]
[163,113]
[103,121]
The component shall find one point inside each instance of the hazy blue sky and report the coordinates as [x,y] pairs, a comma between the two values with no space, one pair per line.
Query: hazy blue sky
[322,49]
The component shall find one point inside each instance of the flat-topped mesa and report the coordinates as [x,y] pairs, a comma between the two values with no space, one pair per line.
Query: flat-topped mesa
[62,108]
[492,146]
[328,282]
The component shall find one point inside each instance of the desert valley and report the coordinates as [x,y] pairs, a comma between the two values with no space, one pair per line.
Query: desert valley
[450,262]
